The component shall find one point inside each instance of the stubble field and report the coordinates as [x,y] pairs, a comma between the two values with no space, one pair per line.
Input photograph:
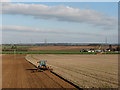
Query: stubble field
[86,71]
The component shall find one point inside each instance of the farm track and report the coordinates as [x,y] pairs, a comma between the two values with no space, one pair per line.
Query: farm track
[16,73]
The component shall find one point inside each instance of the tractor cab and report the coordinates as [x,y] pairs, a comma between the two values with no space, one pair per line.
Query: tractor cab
[43,63]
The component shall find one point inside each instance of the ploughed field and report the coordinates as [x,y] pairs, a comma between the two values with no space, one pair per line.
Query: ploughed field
[17,73]
[86,71]
[64,48]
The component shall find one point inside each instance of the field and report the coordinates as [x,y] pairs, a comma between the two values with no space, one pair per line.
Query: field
[17,73]
[8,47]
[64,48]
[46,52]
[59,48]
[51,50]
[86,71]
[55,48]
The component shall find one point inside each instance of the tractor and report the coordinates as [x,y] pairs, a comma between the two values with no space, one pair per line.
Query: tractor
[43,66]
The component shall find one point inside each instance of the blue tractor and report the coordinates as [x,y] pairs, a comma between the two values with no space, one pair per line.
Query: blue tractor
[43,66]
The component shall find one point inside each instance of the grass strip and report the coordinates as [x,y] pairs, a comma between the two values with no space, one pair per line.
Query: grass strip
[111,53]
[46,52]
[53,52]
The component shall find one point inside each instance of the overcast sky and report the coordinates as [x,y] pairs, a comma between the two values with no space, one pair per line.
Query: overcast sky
[59,22]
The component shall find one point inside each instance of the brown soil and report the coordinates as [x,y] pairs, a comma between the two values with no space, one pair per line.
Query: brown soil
[65,48]
[16,73]
[86,71]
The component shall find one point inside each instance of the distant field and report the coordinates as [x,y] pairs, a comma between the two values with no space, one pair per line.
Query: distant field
[64,48]
[55,48]
[50,50]
[86,71]
[8,47]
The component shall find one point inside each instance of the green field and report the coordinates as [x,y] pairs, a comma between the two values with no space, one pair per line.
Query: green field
[111,53]
[45,52]
[53,52]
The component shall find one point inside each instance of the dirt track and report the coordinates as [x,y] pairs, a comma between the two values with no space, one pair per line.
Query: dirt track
[17,73]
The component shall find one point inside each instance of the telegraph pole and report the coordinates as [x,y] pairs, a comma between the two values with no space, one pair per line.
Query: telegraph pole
[45,41]
[106,40]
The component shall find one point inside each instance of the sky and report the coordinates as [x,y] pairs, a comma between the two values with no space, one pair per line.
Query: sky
[59,22]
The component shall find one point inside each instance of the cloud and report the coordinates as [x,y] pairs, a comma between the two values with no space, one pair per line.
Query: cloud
[12,28]
[27,29]
[26,34]
[62,13]
[5,0]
